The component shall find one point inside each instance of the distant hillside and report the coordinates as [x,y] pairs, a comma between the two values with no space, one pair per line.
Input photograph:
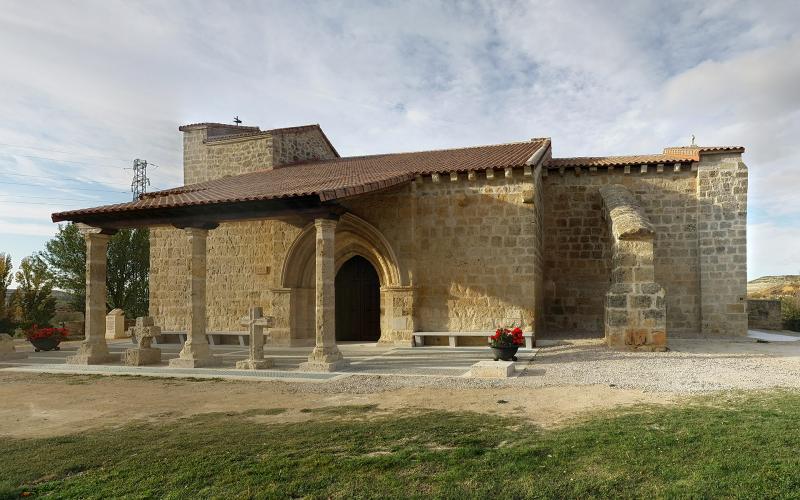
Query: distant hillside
[58,294]
[770,287]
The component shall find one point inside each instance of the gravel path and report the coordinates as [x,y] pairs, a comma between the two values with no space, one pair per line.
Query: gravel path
[691,366]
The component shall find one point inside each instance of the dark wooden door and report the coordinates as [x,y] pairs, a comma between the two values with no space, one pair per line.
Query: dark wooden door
[358,307]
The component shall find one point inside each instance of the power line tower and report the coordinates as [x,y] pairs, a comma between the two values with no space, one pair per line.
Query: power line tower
[140,181]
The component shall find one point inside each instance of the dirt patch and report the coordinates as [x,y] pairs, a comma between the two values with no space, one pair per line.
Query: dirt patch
[37,405]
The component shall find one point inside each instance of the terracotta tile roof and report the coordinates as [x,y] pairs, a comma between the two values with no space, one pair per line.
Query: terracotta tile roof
[671,155]
[327,179]
[694,152]
[613,161]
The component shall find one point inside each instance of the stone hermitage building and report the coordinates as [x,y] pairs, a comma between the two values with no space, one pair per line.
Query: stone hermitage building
[460,240]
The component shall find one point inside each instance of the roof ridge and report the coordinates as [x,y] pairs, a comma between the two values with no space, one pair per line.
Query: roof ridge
[377,155]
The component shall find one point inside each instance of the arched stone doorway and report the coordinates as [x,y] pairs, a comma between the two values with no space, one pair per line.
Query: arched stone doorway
[358,306]
[293,303]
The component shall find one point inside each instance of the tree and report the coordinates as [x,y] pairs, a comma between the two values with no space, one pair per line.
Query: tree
[5,282]
[34,294]
[128,268]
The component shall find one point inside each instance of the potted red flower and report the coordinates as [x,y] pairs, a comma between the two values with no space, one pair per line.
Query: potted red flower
[45,339]
[505,342]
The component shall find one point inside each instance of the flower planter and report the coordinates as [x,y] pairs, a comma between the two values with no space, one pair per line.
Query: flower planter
[46,344]
[505,353]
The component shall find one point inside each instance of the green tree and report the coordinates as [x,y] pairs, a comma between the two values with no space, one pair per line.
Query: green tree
[34,294]
[5,282]
[128,268]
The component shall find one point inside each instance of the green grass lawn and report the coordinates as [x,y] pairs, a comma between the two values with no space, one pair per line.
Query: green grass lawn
[733,446]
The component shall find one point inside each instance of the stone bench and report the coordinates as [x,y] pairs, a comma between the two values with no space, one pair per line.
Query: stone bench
[419,337]
[214,338]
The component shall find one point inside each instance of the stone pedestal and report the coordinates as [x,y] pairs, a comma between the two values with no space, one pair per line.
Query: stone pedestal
[115,324]
[492,369]
[195,352]
[144,354]
[326,356]
[93,350]
[7,350]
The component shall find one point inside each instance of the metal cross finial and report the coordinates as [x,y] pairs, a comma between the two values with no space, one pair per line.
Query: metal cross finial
[236,120]
[693,144]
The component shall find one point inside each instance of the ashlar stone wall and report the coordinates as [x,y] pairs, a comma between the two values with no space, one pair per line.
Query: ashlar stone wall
[468,244]
[244,258]
[577,246]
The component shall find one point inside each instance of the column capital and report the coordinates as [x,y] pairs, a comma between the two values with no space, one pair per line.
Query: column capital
[196,231]
[87,230]
[325,223]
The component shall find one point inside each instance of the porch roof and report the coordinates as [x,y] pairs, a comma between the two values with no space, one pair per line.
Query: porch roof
[308,186]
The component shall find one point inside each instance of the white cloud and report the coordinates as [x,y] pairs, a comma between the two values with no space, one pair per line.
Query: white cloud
[115,79]
[773,249]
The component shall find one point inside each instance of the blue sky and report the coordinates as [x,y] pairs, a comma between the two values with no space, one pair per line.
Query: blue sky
[86,87]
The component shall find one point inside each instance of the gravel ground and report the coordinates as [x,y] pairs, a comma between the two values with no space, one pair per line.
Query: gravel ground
[691,366]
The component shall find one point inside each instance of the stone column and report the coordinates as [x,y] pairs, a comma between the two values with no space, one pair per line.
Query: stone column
[325,356]
[93,350]
[196,352]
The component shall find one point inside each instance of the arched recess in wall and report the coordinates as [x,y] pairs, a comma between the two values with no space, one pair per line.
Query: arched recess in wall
[354,236]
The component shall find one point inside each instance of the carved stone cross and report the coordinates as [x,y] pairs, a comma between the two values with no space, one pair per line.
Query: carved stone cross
[256,322]
[144,353]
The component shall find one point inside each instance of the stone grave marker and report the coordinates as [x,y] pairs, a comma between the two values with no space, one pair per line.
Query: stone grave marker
[256,322]
[115,324]
[144,353]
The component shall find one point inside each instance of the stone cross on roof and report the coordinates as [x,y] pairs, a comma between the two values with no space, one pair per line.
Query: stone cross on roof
[256,322]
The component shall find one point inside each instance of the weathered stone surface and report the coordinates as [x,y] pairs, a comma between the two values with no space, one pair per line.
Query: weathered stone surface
[492,369]
[477,249]
[93,350]
[144,354]
[7,350]
[256,322]
[325,356]
[115,324]
[196,352]
[764,314]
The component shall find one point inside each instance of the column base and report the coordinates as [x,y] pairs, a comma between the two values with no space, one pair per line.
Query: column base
[142,356]
[210,361]
[324,366]
[254,364]
[92,354]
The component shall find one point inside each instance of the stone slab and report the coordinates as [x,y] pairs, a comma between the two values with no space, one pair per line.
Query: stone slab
[6,356]
[195,362]
[140,357]
[255,364]
[320,366]
[92,359]
[7,350]
[492,369]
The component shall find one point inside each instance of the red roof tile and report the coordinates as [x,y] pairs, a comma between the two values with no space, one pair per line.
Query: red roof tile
[613,161]
[671,155]
[327,179]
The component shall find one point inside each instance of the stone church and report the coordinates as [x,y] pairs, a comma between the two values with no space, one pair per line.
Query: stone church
[431,245]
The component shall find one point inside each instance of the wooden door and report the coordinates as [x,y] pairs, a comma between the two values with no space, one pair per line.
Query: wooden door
[357,301]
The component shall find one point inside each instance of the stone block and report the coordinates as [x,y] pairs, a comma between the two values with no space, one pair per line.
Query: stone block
[115,324]
[322,366]
[7,350]
[255,364]
[205,362]
[492,369]
[143,356]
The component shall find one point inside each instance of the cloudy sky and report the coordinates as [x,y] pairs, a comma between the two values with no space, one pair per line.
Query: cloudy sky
[86,87]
